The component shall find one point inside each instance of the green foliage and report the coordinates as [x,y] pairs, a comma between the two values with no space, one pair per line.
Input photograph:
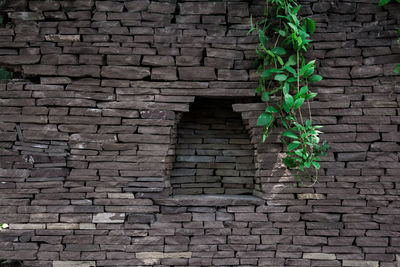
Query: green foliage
[385,2]
[397,69]
[5,75]
[285,75]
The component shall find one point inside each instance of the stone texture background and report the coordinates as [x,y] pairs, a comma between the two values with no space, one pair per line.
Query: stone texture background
[89,134]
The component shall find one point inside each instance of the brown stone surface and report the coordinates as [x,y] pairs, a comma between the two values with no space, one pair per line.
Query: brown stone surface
[95,137]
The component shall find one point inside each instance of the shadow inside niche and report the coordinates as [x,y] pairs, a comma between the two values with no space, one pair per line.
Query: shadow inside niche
[11,263]
[213,153]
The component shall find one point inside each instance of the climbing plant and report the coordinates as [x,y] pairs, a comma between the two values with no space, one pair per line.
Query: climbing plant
[285,75]
[383,3]
[4,74]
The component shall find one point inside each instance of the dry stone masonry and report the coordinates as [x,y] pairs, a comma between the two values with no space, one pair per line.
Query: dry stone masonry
[94,131]
[214,154]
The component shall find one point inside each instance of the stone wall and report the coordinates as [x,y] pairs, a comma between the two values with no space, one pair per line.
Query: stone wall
[214,154]
[89,135]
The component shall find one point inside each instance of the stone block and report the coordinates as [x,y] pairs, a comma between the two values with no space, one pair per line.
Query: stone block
[109,218]
[158,61]
[79,71]
[112,240]
[40,6]
[125,72]
[27,16]
[319,256]
[188,61]
[141,218]
[109,6]
[161,255]
[310,240]
[62,37]
[19,60]
[165,74]
[224,53]
[123,60]
[74,264]
[366,71]
[372,241]
[207,8]
[39,70]
[197,73]
[137,5]
[232,75]
[360,263]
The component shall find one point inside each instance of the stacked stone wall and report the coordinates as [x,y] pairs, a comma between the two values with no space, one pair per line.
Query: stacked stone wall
[90,128]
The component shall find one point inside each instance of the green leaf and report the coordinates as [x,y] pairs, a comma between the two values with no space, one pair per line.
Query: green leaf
[268,72]
[263,38]
[289,100]
[397,69]
[294,28]
[298,103]
[315,78]
[299,152]
[308,124]
[383,2]
[280,60]
[316,165]
[303,90]
[292,60]
[310,25]
[265,96]
[289,162]
[269,52]
[290,134]
[283,33]
[291,70]
[280,77]
[280,51]
[296,10]
[307,164]
[311,95]
[293,145]
[286,108]
[286,88]
[271,109]
[264,119]
[308,72]
[264,137]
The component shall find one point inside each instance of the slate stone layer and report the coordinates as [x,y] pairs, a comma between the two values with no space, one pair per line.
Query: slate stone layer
[90,132]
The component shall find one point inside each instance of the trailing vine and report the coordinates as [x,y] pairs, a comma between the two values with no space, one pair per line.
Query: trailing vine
[284,84]
[383,3]
[4,74]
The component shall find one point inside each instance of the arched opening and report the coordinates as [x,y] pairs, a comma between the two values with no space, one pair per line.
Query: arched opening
[213,152]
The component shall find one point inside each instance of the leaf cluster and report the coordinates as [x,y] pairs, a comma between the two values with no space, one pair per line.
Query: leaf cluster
[285,75]
[385,2]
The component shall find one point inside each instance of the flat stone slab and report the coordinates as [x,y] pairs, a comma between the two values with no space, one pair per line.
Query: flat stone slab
[209,200]
[74,264]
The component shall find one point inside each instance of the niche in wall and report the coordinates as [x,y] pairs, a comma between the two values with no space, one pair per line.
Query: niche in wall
[213,153]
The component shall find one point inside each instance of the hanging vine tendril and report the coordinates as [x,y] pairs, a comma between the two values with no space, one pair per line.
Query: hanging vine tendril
[383,3]
[284,85]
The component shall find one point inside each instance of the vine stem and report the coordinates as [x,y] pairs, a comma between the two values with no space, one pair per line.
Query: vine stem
[298,83]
